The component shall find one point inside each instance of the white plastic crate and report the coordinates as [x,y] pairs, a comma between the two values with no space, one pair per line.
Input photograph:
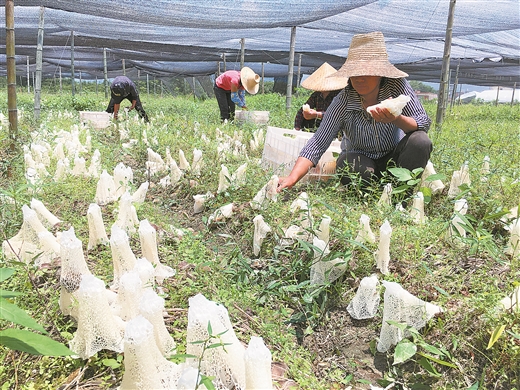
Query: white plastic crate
[258,117]
[282,148]
[97,119]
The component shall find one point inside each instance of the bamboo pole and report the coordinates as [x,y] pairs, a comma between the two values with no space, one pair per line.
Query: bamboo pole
[11,73]
[124,67]
[242,51]
[498,92]
[513,94]
[61,81]
[444,87]
[455,84]
[224,60]
[262,78]
[105,72]
[39,66]
[299,70]
[290,70]
[73,86]
[28,76]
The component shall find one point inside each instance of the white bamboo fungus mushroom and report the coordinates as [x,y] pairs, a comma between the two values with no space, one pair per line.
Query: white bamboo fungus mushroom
[456,228]
[401,306]
[259,200]
[228,368]
[175,173]
[183,162]
[238,178]
[365,233]
[73,267]
[128,296]
[148,239]
[324,270]
[485,170]
[271,192]
[222,213]
[79,168]
[123,258]
[198,162]
[512,302]
[383,252]
[123,177]
[151,307]
[106,189]
[455,182]
[513,245]
[386,195]
[395,106]
[198,206]
[464,174]
[261,231]
[258,365]
[435,185]
[155,162]
[96,227]
[323,231]
[139,195]
[145,366]
[366,301]
[97,327]
[417,210]
[127,215]
[146,272]
[224,179]
[48,218]
[306,108]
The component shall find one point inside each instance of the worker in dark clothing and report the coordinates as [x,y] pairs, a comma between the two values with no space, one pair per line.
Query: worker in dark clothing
[123,88]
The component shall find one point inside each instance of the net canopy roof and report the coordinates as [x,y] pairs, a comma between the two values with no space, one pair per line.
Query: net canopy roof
[193,38]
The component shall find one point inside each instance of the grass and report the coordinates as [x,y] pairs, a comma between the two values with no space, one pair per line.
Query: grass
[270,296]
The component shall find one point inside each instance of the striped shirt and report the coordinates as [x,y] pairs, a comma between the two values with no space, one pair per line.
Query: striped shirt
[361,134]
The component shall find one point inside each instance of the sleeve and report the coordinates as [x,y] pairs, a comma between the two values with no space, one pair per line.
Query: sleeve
[133,92]
[415,109]
[298,119]
[239,97]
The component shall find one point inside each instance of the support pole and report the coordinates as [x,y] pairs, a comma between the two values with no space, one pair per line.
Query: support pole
[242,51]
[72,63]
[513,94]
[61,81]
[11,74]
[224,60]
[455,85]
[28,76]
[290,70]
[299,69]
[262,78]
[444,86]
[498,92]
[39,66]
[105,72]
[124,67]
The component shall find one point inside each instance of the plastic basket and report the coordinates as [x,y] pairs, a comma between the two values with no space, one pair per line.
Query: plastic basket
[97,119]
[282,147]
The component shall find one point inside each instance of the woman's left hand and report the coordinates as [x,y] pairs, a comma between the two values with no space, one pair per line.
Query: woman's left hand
[383,115]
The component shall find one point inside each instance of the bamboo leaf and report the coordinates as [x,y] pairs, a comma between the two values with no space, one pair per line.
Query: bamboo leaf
[33,343]
[13,313]
[6,273]
[497,332]
[404,351]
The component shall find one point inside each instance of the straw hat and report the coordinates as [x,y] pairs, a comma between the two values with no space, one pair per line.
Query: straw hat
[367,56]
[319,80]
[250,80]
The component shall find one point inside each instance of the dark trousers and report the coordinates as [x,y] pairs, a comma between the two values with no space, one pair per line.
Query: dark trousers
[225,104]
[412,152]
[138,107]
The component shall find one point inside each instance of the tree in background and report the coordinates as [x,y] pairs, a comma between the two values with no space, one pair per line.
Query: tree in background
[421,87]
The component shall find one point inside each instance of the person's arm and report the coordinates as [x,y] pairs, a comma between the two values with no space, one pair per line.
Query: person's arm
[134,101]
[313,113]
[300,169]
[239,97]
[116,109]
[405,123]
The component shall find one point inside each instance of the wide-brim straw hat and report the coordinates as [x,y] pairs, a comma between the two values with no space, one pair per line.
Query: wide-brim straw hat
[367,56]
[250,80]
[319,80]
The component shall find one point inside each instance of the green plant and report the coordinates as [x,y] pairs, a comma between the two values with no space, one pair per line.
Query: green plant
[21,339]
